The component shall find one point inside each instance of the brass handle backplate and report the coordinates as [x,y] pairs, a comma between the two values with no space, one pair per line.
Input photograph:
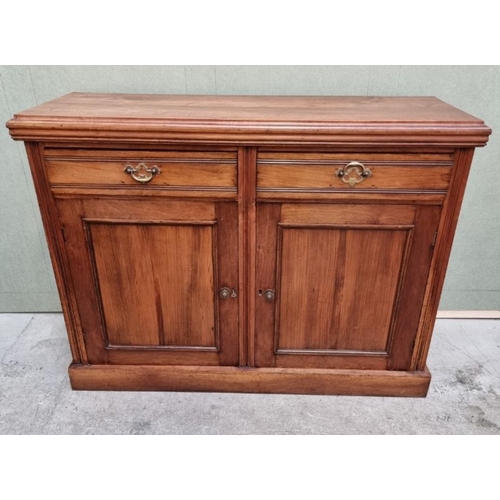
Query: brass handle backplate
[353,173]
[142,173]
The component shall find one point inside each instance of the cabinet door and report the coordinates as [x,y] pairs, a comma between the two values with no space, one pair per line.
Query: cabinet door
[341,285]
[147,276]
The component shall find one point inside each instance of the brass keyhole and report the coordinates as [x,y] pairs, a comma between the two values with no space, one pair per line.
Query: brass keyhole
[225,293]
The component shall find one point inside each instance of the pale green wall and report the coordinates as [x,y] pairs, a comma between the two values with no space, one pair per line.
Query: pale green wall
[473,279]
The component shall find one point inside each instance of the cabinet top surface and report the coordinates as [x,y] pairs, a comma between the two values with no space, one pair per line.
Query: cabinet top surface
[249,118]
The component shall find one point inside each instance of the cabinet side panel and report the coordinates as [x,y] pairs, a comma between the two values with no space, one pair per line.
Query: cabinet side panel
[53,233]
[444,241]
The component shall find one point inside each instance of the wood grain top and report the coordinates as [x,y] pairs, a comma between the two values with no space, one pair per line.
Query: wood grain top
[249,119]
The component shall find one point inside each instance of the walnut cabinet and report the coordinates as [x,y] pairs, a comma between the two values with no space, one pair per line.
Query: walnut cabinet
[249,244]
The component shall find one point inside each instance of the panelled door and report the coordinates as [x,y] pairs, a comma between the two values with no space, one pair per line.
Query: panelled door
[341,285]
[156,282]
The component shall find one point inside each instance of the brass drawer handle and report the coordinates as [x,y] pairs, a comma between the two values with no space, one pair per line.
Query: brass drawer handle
[353,173]
[142,173]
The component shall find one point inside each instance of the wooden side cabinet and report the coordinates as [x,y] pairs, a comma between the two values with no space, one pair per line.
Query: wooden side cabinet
[249,244]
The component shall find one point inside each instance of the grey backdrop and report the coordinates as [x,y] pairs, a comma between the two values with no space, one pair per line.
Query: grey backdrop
[473,279]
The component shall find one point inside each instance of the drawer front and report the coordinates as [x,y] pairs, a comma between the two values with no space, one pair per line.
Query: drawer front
[352,171]
[141,169]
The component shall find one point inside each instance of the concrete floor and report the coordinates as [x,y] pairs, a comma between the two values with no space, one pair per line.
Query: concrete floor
[35,396]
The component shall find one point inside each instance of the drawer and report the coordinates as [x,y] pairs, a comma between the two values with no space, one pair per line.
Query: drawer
[353,171]
[141,169]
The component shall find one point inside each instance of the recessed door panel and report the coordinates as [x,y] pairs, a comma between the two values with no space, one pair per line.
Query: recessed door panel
[156,283]
[342,285]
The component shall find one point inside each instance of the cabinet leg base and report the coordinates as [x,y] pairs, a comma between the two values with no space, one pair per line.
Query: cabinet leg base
[250,380]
